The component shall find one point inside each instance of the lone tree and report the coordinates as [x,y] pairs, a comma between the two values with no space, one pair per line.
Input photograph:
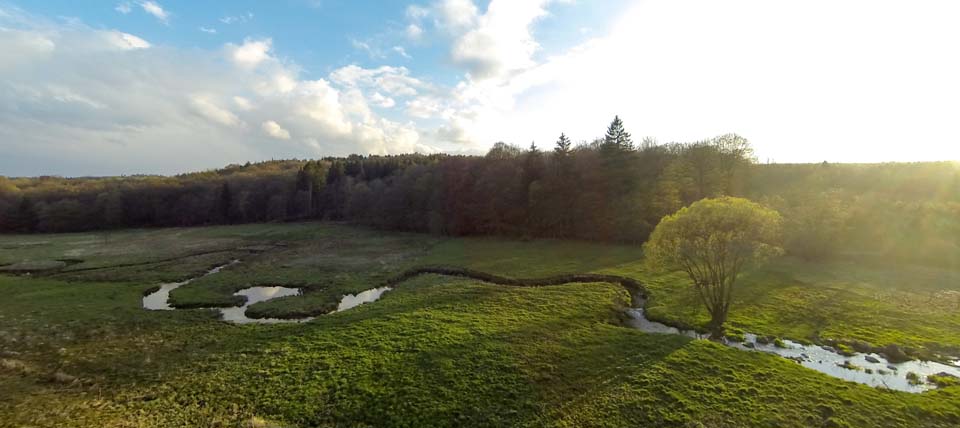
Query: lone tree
[713,240]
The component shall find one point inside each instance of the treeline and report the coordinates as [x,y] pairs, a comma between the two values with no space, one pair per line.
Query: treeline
[607,189]
[893,211]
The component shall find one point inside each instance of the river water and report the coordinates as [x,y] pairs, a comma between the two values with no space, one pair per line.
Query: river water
[868,369]
[159,300]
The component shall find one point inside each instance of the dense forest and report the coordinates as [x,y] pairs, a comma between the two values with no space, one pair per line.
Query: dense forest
[606,189]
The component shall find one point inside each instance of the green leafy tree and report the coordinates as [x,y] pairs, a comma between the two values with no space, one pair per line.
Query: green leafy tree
[734,157]
[673,188]
[503,151]
[814,223]
[702,160]
[7,187]
[713,240]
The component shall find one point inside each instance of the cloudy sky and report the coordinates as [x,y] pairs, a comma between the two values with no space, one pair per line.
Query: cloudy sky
[167,86]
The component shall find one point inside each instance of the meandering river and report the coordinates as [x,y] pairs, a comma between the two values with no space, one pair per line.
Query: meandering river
[868,369]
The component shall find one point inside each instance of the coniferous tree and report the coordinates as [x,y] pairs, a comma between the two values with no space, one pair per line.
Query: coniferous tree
[533,166]
[561,157]
[617,138]
[563,148]
[561,206]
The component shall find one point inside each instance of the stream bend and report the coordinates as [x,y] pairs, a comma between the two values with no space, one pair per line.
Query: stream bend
[866,368]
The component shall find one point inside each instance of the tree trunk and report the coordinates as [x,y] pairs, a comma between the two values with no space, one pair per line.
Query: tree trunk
[717,320]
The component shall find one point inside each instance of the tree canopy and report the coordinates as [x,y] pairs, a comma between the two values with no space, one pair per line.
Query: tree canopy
[905,212]
[713,240]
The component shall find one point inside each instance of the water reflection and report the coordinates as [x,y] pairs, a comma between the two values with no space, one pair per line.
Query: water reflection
[160,300]
[868,369]
[238,314]
[351,301]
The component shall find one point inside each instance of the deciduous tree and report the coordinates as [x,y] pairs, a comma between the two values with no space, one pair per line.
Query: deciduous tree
[713,241]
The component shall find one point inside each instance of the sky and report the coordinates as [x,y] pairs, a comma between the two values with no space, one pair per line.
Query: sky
[169,86]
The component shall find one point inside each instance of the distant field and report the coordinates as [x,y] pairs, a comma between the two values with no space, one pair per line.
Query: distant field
[77,349]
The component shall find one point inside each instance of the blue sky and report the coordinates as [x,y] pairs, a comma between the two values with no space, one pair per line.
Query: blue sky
[320,35]
[167,86]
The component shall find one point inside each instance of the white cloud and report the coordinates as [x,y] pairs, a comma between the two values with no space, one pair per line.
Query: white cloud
[402,52]
[273,129]
[204,105]
[242,103]
[319,101]
[124,7]
[208,30]
[374,52]
[237,19]
[416,12]
[282,81]
[414,32]
[154,8]
[151,105]
[251,53]
[882,84]
[415,16]
[499,41]
[424,107]
[394,81]
[382,101]
[43,95]
[687,70]
[126,41]
[457,15]
[20,47]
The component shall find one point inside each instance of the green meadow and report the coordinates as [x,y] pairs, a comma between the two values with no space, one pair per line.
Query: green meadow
[77,349]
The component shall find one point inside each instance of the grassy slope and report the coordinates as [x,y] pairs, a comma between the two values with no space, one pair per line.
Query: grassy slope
[443,350]
[790,298]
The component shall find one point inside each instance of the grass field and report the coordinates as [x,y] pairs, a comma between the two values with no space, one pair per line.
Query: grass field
[77,349]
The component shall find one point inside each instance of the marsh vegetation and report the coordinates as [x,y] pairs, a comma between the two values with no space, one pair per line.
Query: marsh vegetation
[79,350]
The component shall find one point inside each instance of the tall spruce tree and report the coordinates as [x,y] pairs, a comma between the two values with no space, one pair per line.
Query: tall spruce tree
[563,148]
[617,138]
[533,165]
[560,210]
